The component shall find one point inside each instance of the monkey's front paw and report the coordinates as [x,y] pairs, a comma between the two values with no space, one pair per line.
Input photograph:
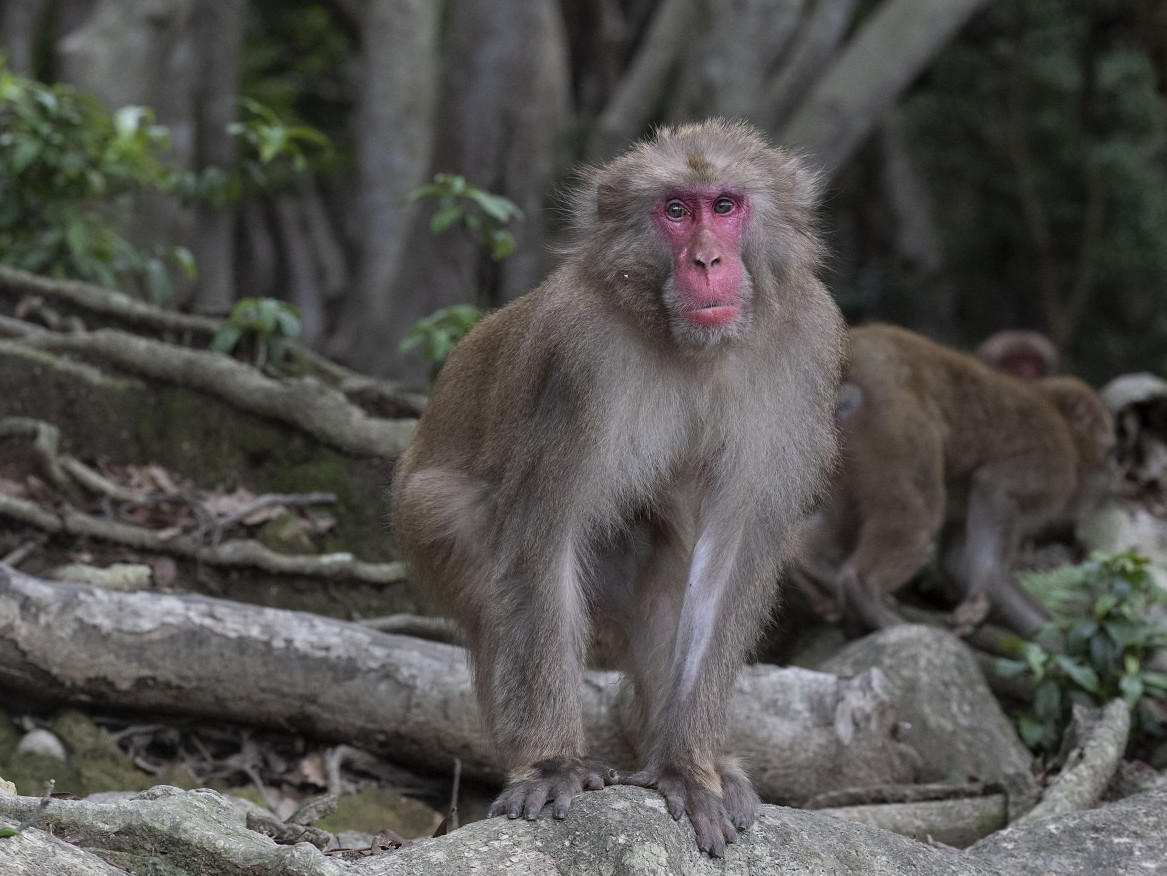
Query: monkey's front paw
[711,820]
[556,781]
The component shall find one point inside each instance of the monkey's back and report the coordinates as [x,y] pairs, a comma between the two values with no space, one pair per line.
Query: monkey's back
[979,414]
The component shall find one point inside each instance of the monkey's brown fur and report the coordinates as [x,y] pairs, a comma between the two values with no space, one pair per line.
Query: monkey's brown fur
[934,438]
[593,455]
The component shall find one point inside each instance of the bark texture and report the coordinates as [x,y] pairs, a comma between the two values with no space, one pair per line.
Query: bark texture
[845,105]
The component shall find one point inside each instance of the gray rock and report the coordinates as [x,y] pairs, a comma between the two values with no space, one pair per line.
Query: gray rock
[952,719]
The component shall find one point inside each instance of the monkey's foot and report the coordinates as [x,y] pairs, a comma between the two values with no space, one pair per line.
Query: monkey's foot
[556,781]
[970,614]
[711,819]
[737,795]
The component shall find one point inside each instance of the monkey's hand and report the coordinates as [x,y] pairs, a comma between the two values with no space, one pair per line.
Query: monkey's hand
[555,781]
[712,820]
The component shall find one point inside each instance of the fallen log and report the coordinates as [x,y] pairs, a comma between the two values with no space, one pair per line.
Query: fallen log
[411,700]
[1093,747]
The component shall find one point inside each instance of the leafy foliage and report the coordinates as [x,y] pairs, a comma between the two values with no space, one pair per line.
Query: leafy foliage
[62,156]
[434,336]
[65,160]
[263,324]
[484,215]
[1108,613]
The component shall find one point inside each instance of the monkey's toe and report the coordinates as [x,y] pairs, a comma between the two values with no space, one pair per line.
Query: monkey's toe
[713,823]
[738,796]
[554,782]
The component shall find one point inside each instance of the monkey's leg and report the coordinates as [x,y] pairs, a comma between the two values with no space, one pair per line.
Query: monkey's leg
[890,552]
[900,507]
[990,542]
[730,581]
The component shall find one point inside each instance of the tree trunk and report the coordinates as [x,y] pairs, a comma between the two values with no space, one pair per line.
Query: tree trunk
[20,26]
[502,122]
[727,66]
[394,132]
[846,105]
[819,34]
[146,53]
[218,40]
[646,79]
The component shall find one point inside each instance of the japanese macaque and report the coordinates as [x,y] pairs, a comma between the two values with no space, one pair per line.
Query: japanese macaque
[1023,354]
[633,445]
[938,448]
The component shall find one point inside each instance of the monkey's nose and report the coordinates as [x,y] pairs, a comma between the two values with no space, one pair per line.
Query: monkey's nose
[707,260]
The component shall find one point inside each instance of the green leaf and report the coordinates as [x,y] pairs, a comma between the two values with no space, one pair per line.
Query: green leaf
[1132,689]
[8,831]
[186,261]
[1080,633]
[226,339]
[444,218]
[158,281]
[1156,680]
[1102,652]
[1007,668]
[1031,730]
[1047,700]
[502,244]
[1084,676]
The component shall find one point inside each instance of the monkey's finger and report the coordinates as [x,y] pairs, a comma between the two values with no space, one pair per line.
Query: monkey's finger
[675,803]
[562,805]
[536,799]
[641,779]
[598,774]
[499,807]
[713,833]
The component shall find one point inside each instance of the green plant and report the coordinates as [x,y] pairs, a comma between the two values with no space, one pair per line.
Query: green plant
[62,158]
[484,215]
[437,334]
[271,154]
[65,160]
[263,324]
[1109,623]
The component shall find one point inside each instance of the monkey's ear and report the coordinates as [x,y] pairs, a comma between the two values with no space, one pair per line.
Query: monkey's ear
[807,181]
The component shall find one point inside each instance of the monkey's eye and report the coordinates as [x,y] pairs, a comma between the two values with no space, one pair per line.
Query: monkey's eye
[722,205]
[675,210]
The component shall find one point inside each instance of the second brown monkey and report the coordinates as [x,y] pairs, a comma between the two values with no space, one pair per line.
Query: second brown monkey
[632,445]
[940,449]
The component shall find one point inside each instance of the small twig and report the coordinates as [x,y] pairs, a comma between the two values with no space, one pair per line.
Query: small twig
[20,554]
[225,522]
[453,816]
[236,552]
[46,799]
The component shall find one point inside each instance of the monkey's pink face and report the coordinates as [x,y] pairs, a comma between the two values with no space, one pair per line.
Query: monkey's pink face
[704,228]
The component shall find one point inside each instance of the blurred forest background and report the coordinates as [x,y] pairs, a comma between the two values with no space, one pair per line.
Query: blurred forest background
[992,164]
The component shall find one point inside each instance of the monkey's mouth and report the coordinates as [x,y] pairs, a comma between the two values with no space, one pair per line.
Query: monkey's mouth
[713,315]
